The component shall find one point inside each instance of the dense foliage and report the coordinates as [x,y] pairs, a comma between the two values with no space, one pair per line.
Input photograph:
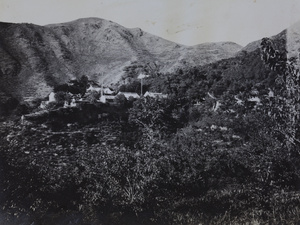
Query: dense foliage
[74,86]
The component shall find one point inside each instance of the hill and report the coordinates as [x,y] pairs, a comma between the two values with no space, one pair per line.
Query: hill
[288,38]
[36,58]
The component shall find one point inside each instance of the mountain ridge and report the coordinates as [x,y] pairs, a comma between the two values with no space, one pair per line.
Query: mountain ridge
[36,58]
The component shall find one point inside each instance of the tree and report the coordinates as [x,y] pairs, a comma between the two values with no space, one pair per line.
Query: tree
[61,97]
[74,86]
[80,86]
[287,99]
[154,118]
[93,96]
[121,100]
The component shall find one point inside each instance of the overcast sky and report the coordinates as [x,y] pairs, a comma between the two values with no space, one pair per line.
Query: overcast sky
[187,22]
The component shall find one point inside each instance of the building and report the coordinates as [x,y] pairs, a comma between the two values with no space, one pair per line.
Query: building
[107,98]
[108,91]
[51,98]
[129,94]
[93,88]
[155,95]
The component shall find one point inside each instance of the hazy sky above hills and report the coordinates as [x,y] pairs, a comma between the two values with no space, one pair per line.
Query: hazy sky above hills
[187,22]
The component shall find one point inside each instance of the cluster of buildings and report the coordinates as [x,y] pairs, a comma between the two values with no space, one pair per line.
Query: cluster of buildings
[130,95]
[107,95]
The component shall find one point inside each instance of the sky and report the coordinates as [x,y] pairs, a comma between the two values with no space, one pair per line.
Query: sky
[187,22]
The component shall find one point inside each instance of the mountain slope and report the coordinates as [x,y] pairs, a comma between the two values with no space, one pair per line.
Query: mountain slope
[245,75]
[36,58]
[290,38]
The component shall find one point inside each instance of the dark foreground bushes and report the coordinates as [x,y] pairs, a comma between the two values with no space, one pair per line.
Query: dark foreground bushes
[62,178]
